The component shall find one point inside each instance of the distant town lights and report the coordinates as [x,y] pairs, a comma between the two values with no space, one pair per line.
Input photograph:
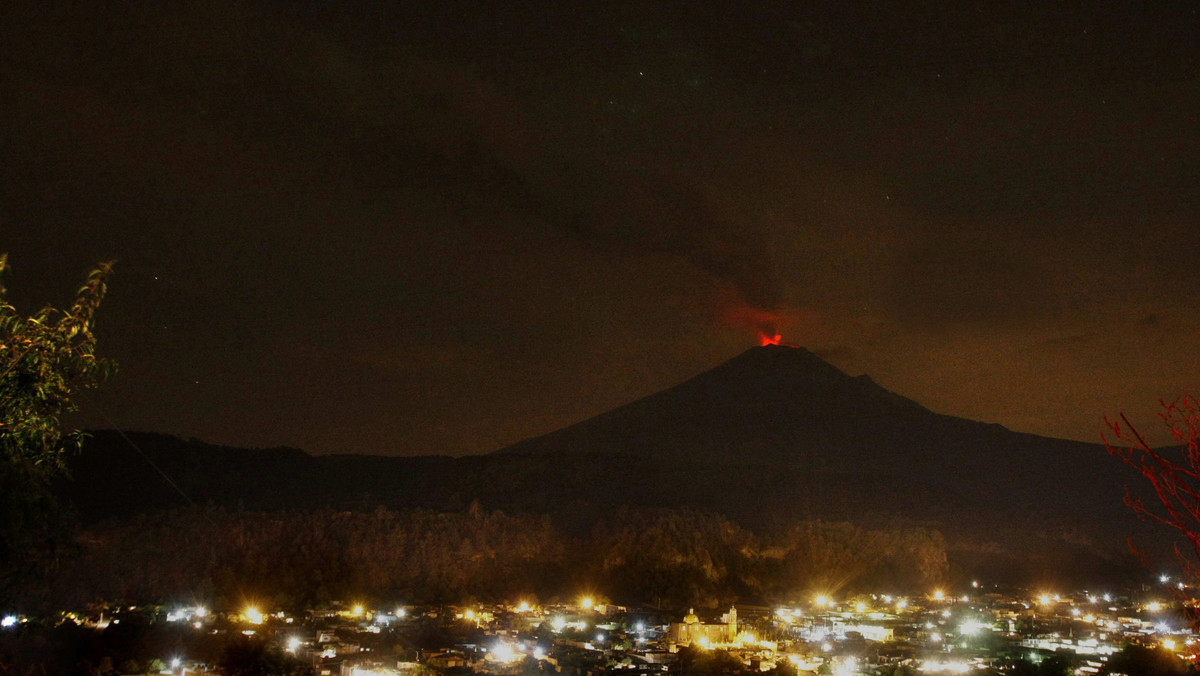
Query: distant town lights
[971,627]
[946,667]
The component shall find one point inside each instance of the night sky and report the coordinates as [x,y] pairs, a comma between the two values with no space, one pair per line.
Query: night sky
[443,227]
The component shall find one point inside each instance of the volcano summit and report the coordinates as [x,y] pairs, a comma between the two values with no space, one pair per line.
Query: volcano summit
[772,436]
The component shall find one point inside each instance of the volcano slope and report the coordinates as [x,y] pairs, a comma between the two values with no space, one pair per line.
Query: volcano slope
[776,433]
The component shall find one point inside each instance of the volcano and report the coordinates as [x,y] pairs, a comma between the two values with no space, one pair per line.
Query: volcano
[777,429]
[775,440]
[773,436]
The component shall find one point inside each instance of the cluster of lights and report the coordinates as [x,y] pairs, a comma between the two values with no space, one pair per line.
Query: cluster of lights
[972,627]
[846,667]
[946,667]
[194,615]
[508,653]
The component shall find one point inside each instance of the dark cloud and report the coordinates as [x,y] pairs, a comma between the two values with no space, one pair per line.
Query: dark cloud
[442,227]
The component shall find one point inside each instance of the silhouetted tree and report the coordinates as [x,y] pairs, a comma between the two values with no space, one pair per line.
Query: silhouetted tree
[44,359]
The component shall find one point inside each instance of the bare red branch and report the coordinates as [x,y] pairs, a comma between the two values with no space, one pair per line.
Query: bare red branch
[1174,475]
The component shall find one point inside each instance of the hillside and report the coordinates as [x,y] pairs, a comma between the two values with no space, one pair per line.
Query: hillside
[772,436]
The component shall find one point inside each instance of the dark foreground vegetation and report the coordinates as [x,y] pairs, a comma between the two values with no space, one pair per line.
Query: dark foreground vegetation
[668,557]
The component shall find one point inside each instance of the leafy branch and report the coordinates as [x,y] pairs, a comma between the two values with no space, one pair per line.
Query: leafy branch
[43,359]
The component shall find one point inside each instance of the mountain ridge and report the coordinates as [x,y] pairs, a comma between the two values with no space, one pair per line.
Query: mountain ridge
[771,436]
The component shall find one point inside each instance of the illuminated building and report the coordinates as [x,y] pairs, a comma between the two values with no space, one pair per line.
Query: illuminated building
[692,631]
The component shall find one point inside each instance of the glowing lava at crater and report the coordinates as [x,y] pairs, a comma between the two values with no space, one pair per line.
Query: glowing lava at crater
[765,339]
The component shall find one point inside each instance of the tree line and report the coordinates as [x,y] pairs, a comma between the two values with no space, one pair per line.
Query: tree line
[669,557]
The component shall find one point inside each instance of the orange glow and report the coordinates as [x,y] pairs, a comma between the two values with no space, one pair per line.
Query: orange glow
[764,323]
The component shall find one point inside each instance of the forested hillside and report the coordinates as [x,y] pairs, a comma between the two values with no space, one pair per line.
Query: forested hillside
[671,557]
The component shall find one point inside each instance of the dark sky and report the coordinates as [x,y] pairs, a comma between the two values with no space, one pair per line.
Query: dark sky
[442,227]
